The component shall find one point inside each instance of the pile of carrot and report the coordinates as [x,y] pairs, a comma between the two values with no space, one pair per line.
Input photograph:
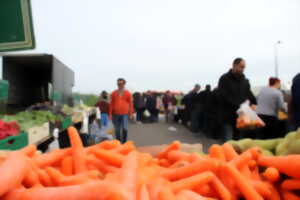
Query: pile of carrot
[114,171]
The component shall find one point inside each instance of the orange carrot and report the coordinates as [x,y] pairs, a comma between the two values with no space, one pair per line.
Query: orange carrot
[109,157]
[216,151]
[94,190]
[191,182]
[166,194]
[144,159]
[125,149]
[164,163]
[77,151]
[228,183]
[13,170]
[190,170]
[31,178]
[289,196]
[44,178]
[14,194]
[55,175]
[189,195]
[129,174]
[241,160]
[229,151]
[99,164]
[49,159]
[67,166]
[291,184]
[180,163]
[204,190]
[272,174]
[262,188]
[242,183]
[29,150]
[175,155]
[174,146]
[222,191]
[288,165]
[144,193]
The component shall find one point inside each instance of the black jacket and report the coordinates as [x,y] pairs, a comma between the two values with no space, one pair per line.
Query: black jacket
[296,99]
[233,91]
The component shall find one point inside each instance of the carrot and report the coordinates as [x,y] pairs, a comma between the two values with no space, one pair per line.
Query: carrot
[49,159]
[129,174]
[155,186]
[262,188]
[274,192]
[166,194]
[126,148]
[31,178]
[55,175]
[216,151]
[228,183]
[288,165]
[107,144]
[14,194]
[189,195]
[241,160]
[109,157]
[190,170]
[229,151]
[144,193]
[222,191]
[242,183]
[29,150]
[291,184]
[44,178]
[174,146]
[74,180]
[67,166]
[164,163]
[204,190]
[246,171]
[289,196]
[191,182]
[99,164]
[13,170]
[144,159]
[77,151]
[92,191]
[272,174]
[175,155]
[180,163]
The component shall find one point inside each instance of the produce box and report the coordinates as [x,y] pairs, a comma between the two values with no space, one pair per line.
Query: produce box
[66,123]
[14,142]
[35,134]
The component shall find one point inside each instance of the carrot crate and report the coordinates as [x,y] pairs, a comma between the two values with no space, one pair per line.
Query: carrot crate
[14,142]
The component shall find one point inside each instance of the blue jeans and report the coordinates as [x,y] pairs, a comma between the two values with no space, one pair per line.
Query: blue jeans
[104,119]
[121,127]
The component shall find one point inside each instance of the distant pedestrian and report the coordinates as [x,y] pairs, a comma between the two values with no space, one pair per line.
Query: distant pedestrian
[139,106]
[295,103]
[269,102]
[234,89]
[188,104]
[121,109]
[103,105]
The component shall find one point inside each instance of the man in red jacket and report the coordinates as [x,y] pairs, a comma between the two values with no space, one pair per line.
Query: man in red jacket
[121,107]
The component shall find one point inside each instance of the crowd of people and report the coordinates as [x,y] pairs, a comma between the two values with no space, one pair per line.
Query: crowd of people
[207,111]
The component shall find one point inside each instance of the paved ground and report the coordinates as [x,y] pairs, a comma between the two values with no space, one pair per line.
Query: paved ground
[158,133]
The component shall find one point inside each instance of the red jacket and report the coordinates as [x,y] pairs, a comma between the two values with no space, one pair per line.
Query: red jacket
[121,104]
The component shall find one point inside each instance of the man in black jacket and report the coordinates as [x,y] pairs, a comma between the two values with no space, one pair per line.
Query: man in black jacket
[234,89]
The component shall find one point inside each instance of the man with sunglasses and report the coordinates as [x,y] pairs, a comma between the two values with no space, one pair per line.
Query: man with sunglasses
[121,108]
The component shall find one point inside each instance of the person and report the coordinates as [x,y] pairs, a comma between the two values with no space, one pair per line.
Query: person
[151,102]
[187,102]
[167,101]
[295,103]
[121,108]
[139,106]
[269,102]
[96,134]
[206,112]
[233,89]
[103,105]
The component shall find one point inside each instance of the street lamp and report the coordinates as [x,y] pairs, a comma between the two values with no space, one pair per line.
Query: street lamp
[276,57]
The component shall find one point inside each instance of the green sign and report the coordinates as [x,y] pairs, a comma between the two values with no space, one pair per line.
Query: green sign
[16,29]
[3,90]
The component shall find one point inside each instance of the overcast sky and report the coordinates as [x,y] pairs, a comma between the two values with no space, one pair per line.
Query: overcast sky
[167,44]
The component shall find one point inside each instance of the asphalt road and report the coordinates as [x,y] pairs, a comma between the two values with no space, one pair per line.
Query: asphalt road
[159,133]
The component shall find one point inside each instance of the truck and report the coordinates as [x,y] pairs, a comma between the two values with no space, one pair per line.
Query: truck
[36,78]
